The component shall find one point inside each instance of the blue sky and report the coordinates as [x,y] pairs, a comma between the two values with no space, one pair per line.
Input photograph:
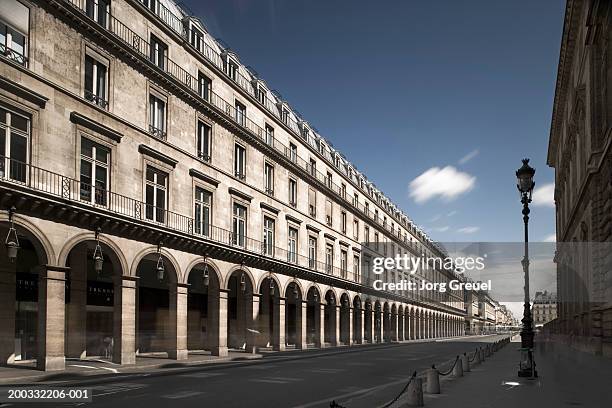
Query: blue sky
[456,92]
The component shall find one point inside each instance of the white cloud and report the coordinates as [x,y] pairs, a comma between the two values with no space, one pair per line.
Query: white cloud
[447,183]
[468,230]
[450,214]
[544,195]
[469,156]
[435,218]
[550,238]
[441,229]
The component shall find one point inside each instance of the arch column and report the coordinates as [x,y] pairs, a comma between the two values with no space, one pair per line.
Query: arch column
[394,326]
[321,325]
[278,334]
[335,312]
[380,329]
[177,341]
[76,310]
[51,318]
[124,320]
[400,326]
[8,297]
[218,324]
[252,311]
[302,317]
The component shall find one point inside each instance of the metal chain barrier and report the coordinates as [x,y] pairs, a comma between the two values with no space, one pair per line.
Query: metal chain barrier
[451,369]
[473,357]
[334,404]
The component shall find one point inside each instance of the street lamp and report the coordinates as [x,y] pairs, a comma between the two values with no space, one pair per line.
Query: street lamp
[525,184]
[205,274]
[97,255]
[12,240]
[160,263]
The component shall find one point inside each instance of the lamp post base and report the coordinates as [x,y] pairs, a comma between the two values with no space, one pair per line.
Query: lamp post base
[527,364]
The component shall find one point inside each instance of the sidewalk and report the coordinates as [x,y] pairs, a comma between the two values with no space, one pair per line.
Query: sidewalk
[566,378]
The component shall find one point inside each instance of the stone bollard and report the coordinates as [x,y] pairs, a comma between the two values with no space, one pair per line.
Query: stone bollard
[458,369]
[433,380]
[414,393]
[488,350]
[477,357]
[482,354]
[465,363]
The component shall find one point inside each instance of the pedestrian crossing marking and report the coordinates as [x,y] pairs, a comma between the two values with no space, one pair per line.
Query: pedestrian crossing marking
[182,394]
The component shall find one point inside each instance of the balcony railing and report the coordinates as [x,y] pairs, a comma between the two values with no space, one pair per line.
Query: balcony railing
[13,55]
[142,47]
[98,100]
[14,173]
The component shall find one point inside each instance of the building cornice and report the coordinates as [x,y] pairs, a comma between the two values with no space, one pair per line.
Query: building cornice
[146,150]
[23,92]
[97,127]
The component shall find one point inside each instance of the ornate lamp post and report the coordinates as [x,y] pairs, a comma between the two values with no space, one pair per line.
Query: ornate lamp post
[525,184]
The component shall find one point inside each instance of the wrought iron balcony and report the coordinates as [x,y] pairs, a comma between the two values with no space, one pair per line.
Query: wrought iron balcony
[13,55]
[98,100]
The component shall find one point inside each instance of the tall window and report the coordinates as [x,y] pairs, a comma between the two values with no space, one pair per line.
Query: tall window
[343,263]
[268,236]
[312,202]
[204,139]
[196,38]
[329,179]
[269,178]
[261,95]
[14,141]
[240,161]
[14,29]
[285,116]
[343,222]
[240,113]
[313,167]
[96,79]
[366,234]
[156,194]
[329,258]
[356,272]
[292,192]
[292,242]
[312,252]
[97,10]
[292,152]
[328,213]
[270,135]
[367,208]
[157,117]
[204,86]
[158,52]
[376,242]
[95,161]
[232,69]
[356,229]
[239,225]
[343,190]
[203,203]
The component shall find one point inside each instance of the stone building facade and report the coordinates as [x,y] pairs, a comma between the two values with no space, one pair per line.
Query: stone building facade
[544,308]
[162,198]
[579,150]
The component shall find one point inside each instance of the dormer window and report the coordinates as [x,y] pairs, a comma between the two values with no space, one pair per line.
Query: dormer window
[196,37]
[232,69]
[285,115]
[261,95]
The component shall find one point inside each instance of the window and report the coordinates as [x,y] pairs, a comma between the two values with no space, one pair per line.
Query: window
[366,235]
[329,258]
[239,225]
[240,161]
[285,115]
[356,200]
[292,242]
[14,29]
[268,236]
[158,52]
[96,79]
[240,113]
[312,202]
[343,190]
[204,86]
[261,95]
[232,69]
[356,229]
[312,252]
[14,141]
[157,117]
[196,37]
[376,243]
[376,215]
[292,152]
[202,211]
[367,208]
[151,5]
[356,272]
[329,179]
[343,222]
[269,178]
[328,213]
[203,142]
[97,10]
[156,194]
[269,135]
[343,263]
[95,161]
[292,192]
[313,167]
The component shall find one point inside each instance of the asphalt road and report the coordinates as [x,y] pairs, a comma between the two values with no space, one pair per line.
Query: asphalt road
[365,378]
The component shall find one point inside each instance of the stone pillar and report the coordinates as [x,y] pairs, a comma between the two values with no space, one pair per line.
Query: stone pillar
[400,327]
[124,320]
[51,318]
[278,335]
[372,331]
[394,327]
[350,326]
[335,314]
[217,323]
[362,327]
[8,292]
[302,315]
[76,310]
[321,325]
[177,333]
[380,330]
[252,323]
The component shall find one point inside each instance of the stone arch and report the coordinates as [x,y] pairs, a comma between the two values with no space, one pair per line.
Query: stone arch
[266,276]
[239,268]
[91,236]
[212,267]
[43,247]
[153,250]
